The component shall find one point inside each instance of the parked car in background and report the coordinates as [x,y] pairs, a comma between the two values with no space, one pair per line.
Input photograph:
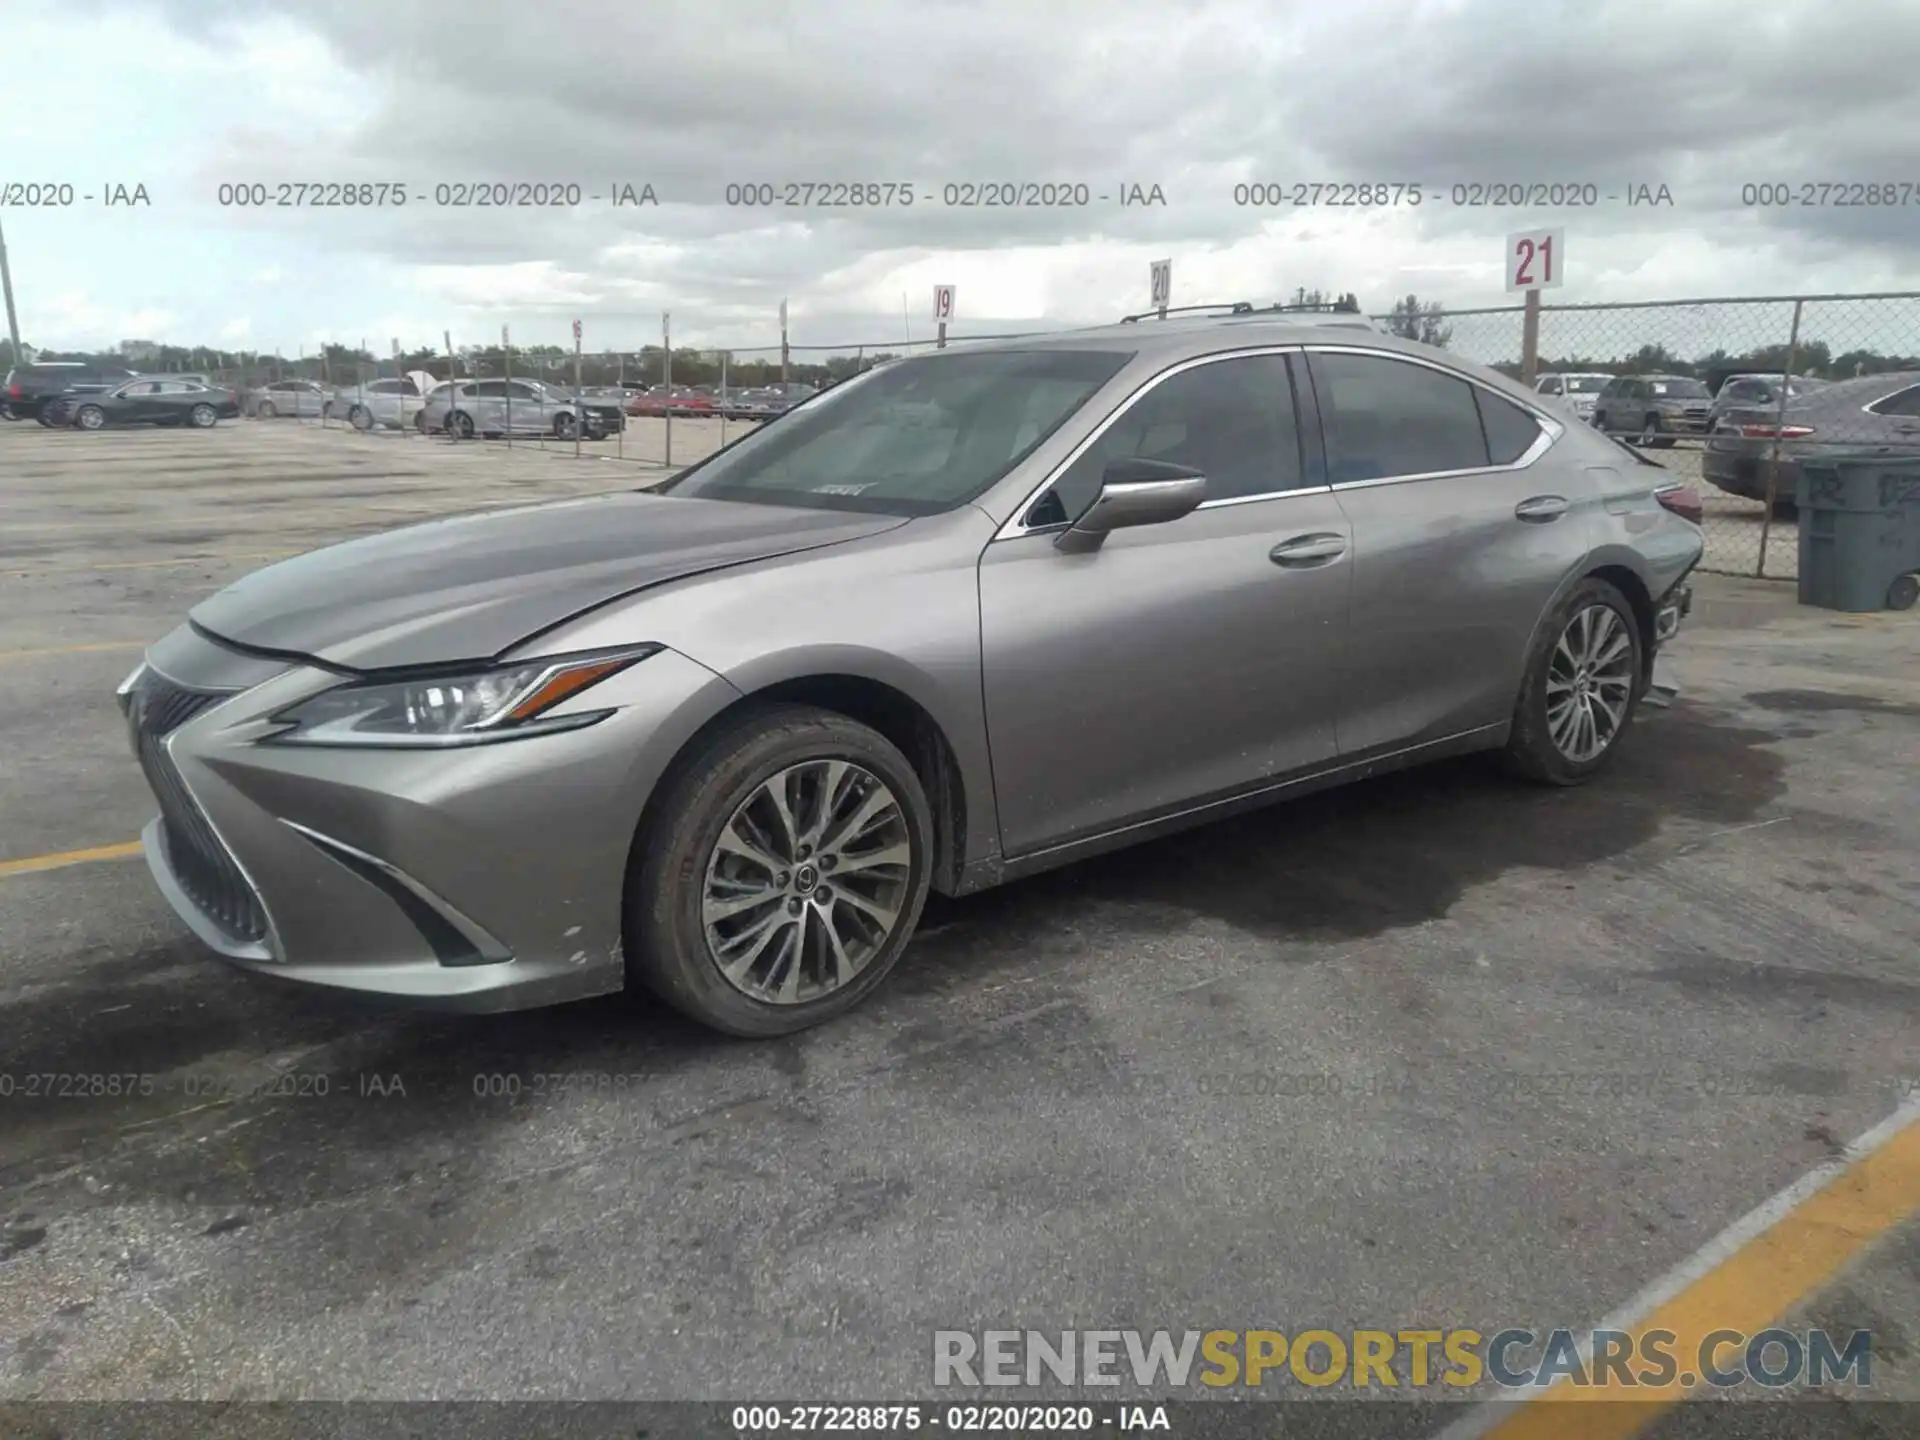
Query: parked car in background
[1654,409]
[1744,392]
[41,391]
[162,400]
[493,408]
[388,404]
[969,616]
[304,399]
[672,400]
[1874,412]
[1575,388]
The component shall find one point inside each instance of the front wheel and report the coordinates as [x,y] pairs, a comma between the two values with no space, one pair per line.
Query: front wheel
[91,417]
[564,427]
[1582,683]
[784,874]
[203,417]
[1650,432]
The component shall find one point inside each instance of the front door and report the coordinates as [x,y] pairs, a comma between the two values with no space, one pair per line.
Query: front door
[1178,663]
[1464,528]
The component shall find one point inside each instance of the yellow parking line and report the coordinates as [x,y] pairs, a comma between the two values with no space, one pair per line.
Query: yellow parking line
[95,648]
[60,859]
[1767,1264]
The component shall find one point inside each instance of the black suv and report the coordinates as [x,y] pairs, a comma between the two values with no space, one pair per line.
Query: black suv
[37,392]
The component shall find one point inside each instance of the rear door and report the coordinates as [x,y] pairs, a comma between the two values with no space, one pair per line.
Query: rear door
[1464,528]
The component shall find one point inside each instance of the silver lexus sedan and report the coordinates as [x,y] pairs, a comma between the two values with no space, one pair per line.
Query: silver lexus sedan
[964,617]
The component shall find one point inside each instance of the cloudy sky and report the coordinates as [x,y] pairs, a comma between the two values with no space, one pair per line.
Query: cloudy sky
[184,96]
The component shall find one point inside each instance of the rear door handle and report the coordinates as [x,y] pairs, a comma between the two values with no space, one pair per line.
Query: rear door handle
[1306,550]
[1541,508]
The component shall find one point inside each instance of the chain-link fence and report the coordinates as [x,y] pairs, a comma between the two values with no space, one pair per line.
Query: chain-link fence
[1729,395]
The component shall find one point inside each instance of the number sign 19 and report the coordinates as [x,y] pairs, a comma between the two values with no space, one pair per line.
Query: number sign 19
[1536,259]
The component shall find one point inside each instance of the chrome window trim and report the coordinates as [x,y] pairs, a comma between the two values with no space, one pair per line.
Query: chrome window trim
[1551,430]
[1867,409]
[1014,528]
[1551,427]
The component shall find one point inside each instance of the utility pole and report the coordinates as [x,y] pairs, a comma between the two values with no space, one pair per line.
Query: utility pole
[13,320]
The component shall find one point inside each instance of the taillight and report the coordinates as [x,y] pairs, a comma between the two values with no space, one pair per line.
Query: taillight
[13,392]
[1773,432]
[1682,500]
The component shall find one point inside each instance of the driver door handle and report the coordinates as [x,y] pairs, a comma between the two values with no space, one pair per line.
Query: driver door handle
[1541,508]
[1305,550]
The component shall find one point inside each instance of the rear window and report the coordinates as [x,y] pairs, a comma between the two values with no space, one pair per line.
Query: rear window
[1679,389]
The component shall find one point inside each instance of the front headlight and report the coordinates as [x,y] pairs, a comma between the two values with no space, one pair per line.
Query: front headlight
[481,706]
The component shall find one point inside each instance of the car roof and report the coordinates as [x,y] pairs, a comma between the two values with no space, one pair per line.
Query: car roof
[1180,337]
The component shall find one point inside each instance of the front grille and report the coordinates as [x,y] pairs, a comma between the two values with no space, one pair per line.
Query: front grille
[201,864]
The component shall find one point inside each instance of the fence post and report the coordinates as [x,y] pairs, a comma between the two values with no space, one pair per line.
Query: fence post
[1530,339]
[666,380]
[723,400]
[1773,451]
[620,384]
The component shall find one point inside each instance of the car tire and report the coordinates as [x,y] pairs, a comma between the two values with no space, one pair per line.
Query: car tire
[265,410]
[670,922]
[563,427]
[1904,590]
[1599,421]
[1650,433]
[203,417]
[460,425]
[420,421]
[360,418]
[1549,744]
[90,417]
[50,414]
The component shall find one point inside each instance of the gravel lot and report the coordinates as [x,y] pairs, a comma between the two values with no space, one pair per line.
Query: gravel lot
[1431,1050]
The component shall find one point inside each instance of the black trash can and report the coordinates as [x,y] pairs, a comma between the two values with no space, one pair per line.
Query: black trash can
[1860,531]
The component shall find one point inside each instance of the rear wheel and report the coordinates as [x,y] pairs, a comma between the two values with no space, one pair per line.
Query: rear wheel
[1581,687]
[460,425]
[1903,592]
[265,411]
[783,875]
[51,414]
[360,418]
[203,417]
[91,417]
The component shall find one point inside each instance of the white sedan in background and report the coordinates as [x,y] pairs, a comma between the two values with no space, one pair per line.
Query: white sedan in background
[386,404]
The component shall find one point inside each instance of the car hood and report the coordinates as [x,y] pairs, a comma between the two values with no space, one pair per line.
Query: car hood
[473,586]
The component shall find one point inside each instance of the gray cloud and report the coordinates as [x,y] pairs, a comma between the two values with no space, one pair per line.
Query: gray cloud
[1697,95]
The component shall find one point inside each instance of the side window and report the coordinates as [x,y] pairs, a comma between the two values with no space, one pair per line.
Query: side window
[1509,429]
[488,390]
[520,391]
[1388,417]
[1901,402]
[1232,420]
[1550,386]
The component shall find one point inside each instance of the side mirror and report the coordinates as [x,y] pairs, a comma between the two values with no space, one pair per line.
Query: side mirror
[1134,492]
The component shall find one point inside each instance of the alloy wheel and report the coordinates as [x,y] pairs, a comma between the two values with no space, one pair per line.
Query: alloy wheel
[808,881]
[1589,683]
[1649,431]
[203,416]
[92,417]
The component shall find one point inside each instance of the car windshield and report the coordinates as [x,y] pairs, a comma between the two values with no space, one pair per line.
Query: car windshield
[1680,389]
[914,437]
[1585,384]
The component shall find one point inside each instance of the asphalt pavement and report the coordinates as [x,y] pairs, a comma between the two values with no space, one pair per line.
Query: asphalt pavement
[1435,1049]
